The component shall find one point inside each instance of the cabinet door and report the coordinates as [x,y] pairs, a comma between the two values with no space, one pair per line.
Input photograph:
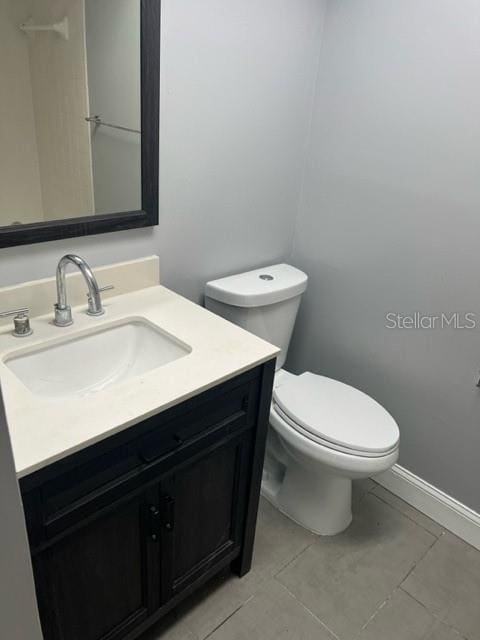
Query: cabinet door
[203,510]
[96,583]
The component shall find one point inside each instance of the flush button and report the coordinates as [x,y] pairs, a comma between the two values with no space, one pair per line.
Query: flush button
[265,276]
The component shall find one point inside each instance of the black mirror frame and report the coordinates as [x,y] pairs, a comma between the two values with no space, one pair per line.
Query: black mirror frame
[148,215]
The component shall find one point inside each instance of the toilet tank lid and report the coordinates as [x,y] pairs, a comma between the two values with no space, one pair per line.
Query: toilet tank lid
[259,287]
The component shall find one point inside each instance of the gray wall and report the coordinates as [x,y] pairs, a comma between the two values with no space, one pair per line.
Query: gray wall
[237,82]
[18,609]
[389,221]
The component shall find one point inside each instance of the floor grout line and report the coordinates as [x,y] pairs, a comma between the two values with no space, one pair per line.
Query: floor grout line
[377,611]
[372,492]
[228,618]
[432,613]
[417,562]
[295,557]
[319,620]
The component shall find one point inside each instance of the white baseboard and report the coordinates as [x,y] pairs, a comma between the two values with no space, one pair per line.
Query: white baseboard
[437,505]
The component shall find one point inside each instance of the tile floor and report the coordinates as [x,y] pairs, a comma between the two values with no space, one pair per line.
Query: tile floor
[393,575]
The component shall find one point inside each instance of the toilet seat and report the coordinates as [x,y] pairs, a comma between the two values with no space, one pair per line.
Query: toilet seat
[335,415]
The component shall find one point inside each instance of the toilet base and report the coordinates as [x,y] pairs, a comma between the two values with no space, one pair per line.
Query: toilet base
[317,500]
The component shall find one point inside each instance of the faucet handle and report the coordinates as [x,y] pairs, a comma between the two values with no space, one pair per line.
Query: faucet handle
[14,312]
[20,320]
[91,309]
[107,287]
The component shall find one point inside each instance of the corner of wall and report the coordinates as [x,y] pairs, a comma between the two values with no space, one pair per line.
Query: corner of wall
[309,125]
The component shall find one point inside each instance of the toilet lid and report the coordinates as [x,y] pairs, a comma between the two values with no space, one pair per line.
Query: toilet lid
[337,413]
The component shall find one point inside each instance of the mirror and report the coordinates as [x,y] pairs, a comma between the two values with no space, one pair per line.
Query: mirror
[78,117]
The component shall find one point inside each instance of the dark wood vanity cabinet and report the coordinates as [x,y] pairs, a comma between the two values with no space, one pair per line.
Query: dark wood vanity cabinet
[124,530]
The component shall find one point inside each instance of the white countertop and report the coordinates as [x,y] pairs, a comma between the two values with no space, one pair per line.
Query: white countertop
[46,429]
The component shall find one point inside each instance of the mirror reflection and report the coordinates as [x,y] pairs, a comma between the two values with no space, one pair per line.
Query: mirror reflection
[70,140]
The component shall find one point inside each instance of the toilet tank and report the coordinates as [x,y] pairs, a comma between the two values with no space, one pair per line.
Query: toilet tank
[264,301]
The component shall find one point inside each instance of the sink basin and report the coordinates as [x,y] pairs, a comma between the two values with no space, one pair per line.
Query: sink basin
[89,362]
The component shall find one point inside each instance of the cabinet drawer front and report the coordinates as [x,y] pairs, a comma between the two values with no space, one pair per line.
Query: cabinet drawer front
[230,412]
[79,493]
[75,488]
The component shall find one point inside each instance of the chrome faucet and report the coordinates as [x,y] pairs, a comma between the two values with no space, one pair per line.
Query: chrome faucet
[63,311]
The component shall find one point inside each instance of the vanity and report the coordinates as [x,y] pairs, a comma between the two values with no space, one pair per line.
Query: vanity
[137,419]
[138,438]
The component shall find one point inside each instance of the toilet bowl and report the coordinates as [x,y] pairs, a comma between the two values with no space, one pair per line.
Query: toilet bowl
[323,433]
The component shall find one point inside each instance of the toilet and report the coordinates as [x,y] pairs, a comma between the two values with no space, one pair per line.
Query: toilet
[323,433]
